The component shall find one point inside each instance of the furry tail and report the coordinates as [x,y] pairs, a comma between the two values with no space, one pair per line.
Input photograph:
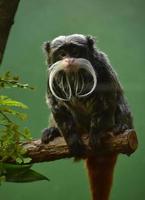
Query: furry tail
[100,172]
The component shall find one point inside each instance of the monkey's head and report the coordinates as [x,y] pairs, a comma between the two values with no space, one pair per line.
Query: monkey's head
[71,72]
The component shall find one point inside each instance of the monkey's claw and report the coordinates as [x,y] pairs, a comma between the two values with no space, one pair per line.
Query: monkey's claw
[49,134]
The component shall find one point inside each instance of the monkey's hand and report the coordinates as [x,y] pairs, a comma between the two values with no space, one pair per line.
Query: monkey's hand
[49,134]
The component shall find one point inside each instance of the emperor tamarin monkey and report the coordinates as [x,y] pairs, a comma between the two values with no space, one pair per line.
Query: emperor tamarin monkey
[85,96]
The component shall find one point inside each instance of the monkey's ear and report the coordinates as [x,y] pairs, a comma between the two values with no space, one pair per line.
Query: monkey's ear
[91,41]
[46,46]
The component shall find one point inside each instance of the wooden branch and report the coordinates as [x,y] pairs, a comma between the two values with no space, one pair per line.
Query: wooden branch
[8,9]
[125,143]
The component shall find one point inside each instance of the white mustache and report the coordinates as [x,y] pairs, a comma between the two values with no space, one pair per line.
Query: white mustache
[78,79]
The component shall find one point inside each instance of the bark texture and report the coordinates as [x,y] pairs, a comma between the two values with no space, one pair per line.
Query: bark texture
[125,143]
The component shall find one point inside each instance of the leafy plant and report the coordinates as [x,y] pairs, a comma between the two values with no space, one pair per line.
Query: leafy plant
[10,133]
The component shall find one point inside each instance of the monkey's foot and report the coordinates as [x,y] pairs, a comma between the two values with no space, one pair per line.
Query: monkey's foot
[49,134]
[76,147]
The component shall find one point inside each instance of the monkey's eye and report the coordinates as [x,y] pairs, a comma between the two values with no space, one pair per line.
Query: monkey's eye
[61,53]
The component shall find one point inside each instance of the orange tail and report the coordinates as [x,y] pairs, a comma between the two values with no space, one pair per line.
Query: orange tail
[100,172]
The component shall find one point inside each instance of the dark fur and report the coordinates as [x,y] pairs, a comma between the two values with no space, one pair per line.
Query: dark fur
[104,110]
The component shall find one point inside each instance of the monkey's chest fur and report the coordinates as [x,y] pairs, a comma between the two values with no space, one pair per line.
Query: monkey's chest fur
[82,110]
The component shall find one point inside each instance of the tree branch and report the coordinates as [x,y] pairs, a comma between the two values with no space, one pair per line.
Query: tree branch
[8,9]
[125,143]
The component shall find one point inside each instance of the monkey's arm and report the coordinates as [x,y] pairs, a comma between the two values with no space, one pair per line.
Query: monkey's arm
[65,125]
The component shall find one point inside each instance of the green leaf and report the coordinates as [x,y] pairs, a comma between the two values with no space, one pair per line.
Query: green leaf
[27,160]
[19,160]
[21,116]
[27,134]
[12,167]
[6,101]
[25,176]
[20,173]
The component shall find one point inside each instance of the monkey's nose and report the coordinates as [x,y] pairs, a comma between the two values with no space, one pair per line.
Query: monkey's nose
[70,65]
[69,61]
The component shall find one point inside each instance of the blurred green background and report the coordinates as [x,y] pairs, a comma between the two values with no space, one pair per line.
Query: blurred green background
[119,27]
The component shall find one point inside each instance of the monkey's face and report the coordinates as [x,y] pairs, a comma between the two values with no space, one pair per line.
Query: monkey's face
[71,74]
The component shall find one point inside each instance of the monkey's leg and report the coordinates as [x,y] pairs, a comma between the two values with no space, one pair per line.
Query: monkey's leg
[100,124]
[100,173]
[102,120]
